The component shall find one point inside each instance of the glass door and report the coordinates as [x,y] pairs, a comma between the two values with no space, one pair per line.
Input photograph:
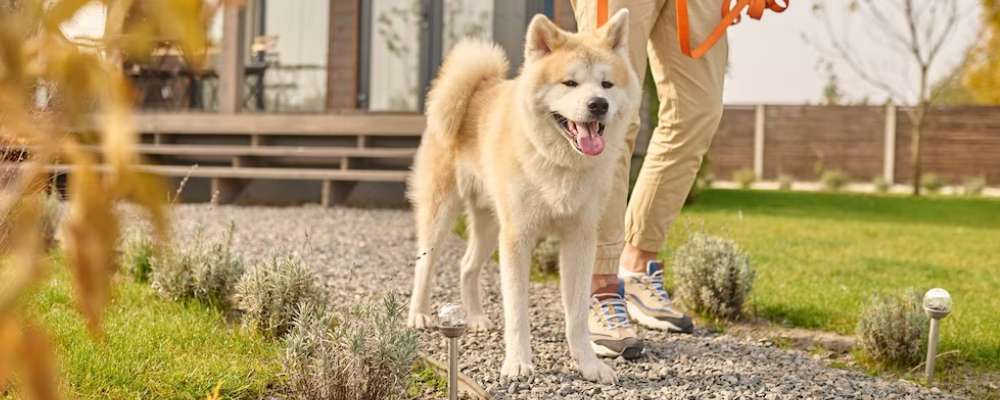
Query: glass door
[393,43]
[404,42]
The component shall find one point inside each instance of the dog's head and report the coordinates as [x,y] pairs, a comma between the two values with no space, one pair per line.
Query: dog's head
[580,84]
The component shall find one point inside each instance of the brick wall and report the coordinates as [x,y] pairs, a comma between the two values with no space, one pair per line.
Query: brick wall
[342,73]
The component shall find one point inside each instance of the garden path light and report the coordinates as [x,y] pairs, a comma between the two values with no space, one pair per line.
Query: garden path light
[937,305]
[451,323]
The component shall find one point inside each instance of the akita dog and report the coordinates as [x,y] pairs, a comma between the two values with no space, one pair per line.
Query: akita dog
[524,157]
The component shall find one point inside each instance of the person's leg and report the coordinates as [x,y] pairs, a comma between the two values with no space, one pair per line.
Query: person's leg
[690,94]
[610,331]
[611,229]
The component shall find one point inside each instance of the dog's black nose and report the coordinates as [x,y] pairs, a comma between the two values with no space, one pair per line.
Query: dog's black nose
[598,106]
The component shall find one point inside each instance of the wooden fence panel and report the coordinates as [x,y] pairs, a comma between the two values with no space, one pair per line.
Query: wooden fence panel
[801,141]
[959,143]
[732,147]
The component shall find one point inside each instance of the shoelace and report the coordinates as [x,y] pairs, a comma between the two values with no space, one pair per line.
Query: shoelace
[613,309]
[656,281]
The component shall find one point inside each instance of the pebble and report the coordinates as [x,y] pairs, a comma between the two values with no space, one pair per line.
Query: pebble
[362,253]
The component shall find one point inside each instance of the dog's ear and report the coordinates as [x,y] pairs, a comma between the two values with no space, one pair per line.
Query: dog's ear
[615,32]
[543,38]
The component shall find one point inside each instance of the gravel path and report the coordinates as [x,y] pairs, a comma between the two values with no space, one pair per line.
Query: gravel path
[362,252]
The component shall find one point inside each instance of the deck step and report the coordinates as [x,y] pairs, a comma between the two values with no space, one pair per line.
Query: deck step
[314,174]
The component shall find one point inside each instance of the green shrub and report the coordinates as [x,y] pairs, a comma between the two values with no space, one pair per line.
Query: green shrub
[366,354]
[271,293]
[173,273]
[545,257]
[137,258]
[833,180]
[208,275]
[713,276]
[973,186]
[744,178]
[931,182]
[216,276]
[785,182]
[880,185]
[893,328]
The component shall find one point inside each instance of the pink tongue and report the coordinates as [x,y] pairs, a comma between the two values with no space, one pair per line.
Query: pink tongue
[587,138]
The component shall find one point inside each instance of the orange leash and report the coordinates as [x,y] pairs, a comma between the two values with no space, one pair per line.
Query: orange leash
[730,16]
[602,12]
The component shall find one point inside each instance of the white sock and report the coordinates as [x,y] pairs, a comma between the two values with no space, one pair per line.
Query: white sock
[624,273]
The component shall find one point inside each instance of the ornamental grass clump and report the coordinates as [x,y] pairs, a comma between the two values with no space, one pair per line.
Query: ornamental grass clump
[833,180]
[173,274]
[973,186]
[932,182]
[713,276]
[364,354]
[893,328]
[785,182]
[271,293]
[59,98]
[137,258]
[744,178]
[207,274]
[880,185]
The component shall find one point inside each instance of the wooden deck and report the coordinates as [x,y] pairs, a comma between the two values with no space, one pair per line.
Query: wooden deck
[373,124]
[338,150]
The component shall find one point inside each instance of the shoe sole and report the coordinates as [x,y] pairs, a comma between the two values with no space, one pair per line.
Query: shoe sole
[651,322]
[630,353]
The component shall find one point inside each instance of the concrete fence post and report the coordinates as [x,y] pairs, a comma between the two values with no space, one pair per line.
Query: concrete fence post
[889,155]
[758,142]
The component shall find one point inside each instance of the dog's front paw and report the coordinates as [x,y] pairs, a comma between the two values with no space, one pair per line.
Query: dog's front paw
[516,369]
[597,371]
[478,323]
[419,320]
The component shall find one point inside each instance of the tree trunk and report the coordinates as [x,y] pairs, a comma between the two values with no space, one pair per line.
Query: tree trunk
[916,136]
[923,105]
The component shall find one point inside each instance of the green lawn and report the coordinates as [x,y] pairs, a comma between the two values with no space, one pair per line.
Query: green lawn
[820,255]
[153,348]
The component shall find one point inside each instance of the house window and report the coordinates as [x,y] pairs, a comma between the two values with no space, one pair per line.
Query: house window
[289,51]
[394,55]
[405,42]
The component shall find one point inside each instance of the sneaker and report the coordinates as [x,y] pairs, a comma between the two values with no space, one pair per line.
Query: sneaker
[649,303]
[611,332]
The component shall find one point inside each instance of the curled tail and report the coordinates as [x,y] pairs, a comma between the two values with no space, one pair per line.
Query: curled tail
[470,62]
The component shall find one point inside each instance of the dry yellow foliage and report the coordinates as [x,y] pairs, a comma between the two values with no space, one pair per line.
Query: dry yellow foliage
[86,91]
[981,78]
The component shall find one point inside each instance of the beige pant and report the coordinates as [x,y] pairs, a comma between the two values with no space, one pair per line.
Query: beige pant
[690,93]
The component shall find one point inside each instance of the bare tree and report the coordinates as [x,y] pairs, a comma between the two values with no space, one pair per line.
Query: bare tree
[913,32]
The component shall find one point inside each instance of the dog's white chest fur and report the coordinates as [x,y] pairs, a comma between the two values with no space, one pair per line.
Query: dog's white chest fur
[567,192]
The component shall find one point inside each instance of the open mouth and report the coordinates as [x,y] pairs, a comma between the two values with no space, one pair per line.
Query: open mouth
[587,137]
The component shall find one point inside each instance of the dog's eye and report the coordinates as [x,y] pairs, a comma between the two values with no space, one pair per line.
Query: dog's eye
[607,85]
[570,83]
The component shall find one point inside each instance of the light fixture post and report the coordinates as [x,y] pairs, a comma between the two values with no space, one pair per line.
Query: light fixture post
[932,344]
[937,305]
[451,324]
